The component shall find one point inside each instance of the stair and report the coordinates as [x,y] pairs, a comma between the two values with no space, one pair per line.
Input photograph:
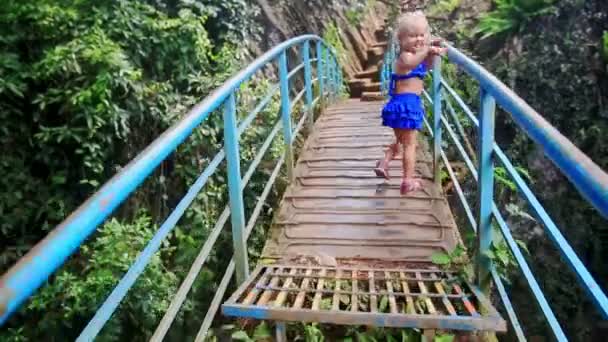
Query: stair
[374,56]
[380,35]
[380,45]
[366,84]
[371,87]
[372,73]
[372,96]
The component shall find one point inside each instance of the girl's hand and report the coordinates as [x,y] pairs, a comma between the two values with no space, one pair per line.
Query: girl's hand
[437,47]
[437,41]
[437,51]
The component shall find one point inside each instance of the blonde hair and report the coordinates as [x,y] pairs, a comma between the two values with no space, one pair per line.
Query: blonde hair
[405,22]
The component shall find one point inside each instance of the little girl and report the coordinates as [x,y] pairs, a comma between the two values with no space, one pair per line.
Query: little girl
[404,112]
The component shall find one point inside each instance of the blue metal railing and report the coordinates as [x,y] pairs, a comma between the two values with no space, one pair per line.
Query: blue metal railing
[23,279]
[587,177]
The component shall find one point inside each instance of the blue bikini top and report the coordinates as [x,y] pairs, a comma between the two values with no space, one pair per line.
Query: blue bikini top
[419,71]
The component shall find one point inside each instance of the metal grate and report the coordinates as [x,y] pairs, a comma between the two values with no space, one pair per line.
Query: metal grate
[426,299]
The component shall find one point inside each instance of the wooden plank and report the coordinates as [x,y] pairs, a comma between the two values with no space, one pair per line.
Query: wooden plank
[467,303]
[283,294]
[302,294]
[265,297]
[354,300]
[392,303]
[336,299]
[318,296]
[409,302]
[446,302]
[429,304]
[373,300]
[253,294]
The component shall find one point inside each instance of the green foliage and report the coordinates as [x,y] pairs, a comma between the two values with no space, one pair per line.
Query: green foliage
[605,46]
[315,332]
[501,256]
[333,36]
[89,84]
[79,288]
[511,16]
[456,260]
[443,7]
[357,11]
[503,178]
[84,87]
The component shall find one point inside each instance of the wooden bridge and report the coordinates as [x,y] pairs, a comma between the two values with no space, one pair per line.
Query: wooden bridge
[338,209]
[344,239]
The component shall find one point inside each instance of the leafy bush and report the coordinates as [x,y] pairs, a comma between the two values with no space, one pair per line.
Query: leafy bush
[84,86]
[511,16]
[444,7]
[82,284]
[605,46]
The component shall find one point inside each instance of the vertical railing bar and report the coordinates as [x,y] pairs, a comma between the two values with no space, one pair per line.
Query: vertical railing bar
[215,303]
[235,192]
[437,119]
[326,61]
[461,103]
[286,114]
[340,80]
[506,302]
[307,82]
[463,199]
[460,129]
[333,78]
[525,269]
[330,81]
[221,290]
[485,189]
[320,73]
[459,147]
[195,268]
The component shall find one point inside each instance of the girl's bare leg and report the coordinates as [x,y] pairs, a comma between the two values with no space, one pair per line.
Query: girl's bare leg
[381,169]
[409,142]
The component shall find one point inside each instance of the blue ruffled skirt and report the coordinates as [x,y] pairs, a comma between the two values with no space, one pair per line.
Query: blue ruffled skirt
[404,111]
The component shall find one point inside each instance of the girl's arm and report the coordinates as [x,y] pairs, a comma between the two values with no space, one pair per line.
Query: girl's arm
[434,50]
[428,61]
[410,59]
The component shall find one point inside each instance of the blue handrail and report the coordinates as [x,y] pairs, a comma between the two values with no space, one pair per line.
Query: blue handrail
[31,271]
[587,177]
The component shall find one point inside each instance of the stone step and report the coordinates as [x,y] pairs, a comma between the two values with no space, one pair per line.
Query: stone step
[382,45]
[374,56]
[371,87]
[372,96]
[356,85]
[380,35]
[372,73]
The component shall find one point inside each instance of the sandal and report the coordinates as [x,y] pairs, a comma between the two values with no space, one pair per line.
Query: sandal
[381,171]
[393,149]
[409,185]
